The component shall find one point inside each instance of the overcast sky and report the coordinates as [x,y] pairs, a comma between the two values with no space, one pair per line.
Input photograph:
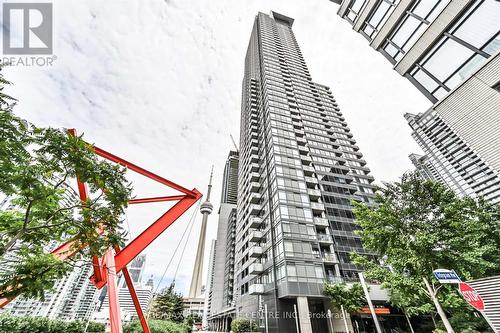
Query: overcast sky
[159,84]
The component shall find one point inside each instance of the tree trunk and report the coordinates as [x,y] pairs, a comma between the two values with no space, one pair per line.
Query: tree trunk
[439,309]
[409,322]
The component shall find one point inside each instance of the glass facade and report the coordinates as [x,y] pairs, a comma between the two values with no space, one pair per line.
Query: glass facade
[377,18]
[354,9]
[461,50]
[451,160]
[300,168]
[410,27]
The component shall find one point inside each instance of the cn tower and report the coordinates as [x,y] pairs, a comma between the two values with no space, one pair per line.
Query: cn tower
[205,209]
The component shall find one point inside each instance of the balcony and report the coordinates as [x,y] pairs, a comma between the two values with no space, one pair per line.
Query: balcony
[334,279]
[317,207]
[255,222]
[256,251]
[306,159]
[308,170]
[254,209]
[303,149]
[254,176]
[329,258]
[256,289]
[299,132]
[256,236]
[254,167]
[314,193]
[255,268]
[311,180]
[320,221]
[324,238]
[254,187]
[301,140]
[254,197]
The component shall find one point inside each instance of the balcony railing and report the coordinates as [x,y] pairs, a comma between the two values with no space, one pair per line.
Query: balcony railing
[311,180]
[320,221]
[334,279]
[255,236]
[314,193]
[325,238]
[255,222]
[256,251]
[317,206]
[255,268]
[256,289]
[330,258]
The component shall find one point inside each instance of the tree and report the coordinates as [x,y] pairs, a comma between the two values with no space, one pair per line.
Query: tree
[243,325]
[11,324]
[169,305]
[157,326]
[41,209]
[346,299]
[417,226]
[192,319]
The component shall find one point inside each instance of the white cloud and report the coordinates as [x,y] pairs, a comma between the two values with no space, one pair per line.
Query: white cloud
[159,83]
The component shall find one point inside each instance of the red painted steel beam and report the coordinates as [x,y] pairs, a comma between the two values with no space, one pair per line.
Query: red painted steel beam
[135,300]
[142,171]
[136,246]
[156,199]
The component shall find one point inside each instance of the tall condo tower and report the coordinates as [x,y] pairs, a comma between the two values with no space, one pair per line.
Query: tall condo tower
[221,308]
[299,170]
[205,209]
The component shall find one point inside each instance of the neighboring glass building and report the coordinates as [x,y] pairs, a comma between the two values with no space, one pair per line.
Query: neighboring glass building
[299,170]
[221,309]
[436,44]
[425,168]
[450,50]
[450,160]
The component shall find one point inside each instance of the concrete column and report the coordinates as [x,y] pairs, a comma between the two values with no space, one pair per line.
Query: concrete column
[303,314]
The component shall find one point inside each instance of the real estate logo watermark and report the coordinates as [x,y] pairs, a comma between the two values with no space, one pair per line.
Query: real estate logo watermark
[28,34]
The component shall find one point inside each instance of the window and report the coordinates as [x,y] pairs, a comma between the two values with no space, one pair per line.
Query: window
[378,17]
[461,50]
[410,27]
[355,8]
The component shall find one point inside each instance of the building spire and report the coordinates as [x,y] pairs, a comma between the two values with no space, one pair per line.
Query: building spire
[205,209]
[210,184]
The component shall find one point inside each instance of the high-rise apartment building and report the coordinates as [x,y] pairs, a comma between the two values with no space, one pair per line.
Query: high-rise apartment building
[450,160]
[425,168]
[221,310]
[299,169]
[210,283]
[144,294]
[450,51]
[74,298]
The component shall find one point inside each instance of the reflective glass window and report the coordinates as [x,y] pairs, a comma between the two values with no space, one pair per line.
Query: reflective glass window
[377,18]
[354,9]
[461,50]
[411,26]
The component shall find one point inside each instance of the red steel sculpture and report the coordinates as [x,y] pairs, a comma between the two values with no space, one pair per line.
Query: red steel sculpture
[116,260]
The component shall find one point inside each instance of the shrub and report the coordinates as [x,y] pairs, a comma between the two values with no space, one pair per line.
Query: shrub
[13,324]
[243,325]
[157,326]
